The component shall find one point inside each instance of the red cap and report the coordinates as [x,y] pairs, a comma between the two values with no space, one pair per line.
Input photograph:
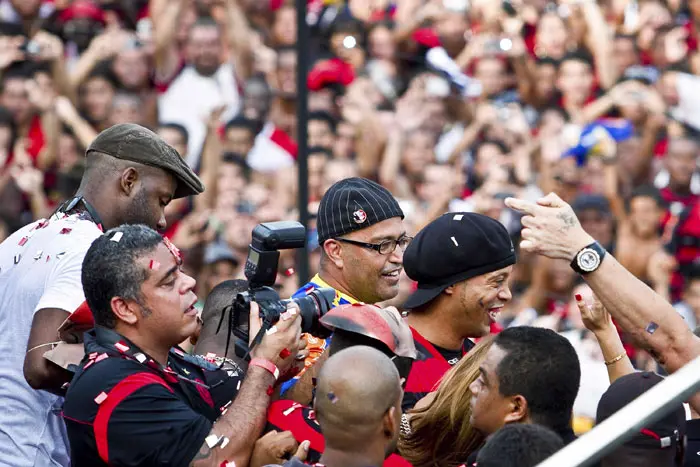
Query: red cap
[82,9]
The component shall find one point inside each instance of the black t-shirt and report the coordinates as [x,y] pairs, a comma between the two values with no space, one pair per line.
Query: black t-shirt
[451,356]
[121,412]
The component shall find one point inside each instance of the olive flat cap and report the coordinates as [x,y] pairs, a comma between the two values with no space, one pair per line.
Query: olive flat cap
[132,142]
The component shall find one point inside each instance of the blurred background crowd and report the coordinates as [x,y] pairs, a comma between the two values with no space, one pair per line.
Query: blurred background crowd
[453,105]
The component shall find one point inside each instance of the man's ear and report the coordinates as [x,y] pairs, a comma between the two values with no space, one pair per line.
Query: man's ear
[128,180]
[333,250]
[124,310]
[389,425]
[450,290]
[518,410]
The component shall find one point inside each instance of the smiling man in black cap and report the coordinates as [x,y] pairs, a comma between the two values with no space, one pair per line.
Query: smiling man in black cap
[131,175]
[462,263]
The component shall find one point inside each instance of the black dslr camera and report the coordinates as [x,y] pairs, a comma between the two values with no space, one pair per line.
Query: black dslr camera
[261,272]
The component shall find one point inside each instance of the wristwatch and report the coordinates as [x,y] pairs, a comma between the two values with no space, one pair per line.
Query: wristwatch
[588,259]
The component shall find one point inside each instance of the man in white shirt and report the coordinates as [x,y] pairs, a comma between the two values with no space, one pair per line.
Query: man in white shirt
[131,175]
[204,80]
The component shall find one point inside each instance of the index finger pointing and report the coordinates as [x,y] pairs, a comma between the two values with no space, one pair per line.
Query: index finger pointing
[521,205]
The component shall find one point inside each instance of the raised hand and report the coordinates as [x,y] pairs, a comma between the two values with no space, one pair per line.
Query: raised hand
[550,227]
[594,315]
[10,50]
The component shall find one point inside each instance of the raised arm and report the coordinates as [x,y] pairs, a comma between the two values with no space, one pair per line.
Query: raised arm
[70,117]
[597,320]
[599,40]
[165,25]
[550,228]
[238,34]
[211,157]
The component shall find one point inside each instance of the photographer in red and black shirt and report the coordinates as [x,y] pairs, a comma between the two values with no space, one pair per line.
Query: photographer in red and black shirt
[138,399]
[462,262]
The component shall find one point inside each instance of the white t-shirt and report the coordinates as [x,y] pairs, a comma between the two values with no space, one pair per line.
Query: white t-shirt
[191,97]
[40,272]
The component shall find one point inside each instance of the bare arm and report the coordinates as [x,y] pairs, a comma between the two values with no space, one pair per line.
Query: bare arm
[612,348]
[647,317]
[71,118]
[597,109]
[650,134]
[211,156]
[470,135]
[600,42]
[238,34]
[103,47]
[370,144]
[597,320]
[165,26]
[241,424]
[43,100]
[552,229]
[611,184]
[391,160]
[38,371]
[51,127]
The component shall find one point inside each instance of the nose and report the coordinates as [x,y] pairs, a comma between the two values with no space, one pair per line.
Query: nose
[396,256]
[162,223]
[188,284]
[473,388]
[504,294]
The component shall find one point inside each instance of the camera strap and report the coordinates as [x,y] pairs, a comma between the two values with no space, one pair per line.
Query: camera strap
[69,205]
[239,343]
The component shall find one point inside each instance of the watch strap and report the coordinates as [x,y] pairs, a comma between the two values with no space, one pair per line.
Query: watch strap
[593,248]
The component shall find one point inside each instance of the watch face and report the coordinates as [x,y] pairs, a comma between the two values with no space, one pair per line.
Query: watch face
[588,260]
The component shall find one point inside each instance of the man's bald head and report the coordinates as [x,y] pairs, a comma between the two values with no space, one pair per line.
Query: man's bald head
[358,399]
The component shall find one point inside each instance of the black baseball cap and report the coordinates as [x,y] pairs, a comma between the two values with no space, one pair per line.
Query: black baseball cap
[353,204]
[664,433]
[132,142]
[454,247]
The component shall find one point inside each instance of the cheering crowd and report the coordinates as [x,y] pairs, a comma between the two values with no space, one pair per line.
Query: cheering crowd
[513,184]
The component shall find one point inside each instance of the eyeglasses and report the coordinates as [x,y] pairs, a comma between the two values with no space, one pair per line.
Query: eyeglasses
[386,247]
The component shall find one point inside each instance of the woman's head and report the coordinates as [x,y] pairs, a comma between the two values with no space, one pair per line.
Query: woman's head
[440,432]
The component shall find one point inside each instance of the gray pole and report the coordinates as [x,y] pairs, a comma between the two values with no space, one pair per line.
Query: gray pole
[302,119]
[647,408]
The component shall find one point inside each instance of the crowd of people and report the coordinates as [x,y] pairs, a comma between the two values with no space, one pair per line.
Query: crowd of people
[417,108]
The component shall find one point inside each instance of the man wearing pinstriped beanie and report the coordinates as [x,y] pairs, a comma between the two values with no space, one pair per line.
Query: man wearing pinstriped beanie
[362,240]
[354,204]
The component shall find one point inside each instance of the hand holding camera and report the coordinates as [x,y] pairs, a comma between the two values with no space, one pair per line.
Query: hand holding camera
[273,325]
[282,342]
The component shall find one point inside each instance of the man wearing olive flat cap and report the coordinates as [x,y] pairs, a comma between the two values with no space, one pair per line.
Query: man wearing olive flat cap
[462,262]
[131,175]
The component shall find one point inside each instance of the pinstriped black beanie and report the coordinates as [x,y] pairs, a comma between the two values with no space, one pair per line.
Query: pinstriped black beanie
[353,204]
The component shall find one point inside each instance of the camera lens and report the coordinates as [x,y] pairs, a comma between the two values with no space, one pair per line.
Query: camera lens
[313,306]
